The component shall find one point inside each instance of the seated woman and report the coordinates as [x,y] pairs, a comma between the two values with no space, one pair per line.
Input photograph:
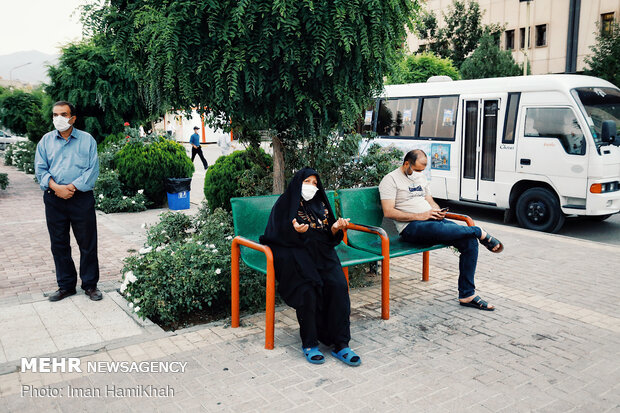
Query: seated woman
[302,232]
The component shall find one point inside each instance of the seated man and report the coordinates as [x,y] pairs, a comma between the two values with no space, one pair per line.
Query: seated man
[406,198]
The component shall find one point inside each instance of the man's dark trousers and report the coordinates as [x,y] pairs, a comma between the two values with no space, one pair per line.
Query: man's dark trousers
[77,212]
[202,157]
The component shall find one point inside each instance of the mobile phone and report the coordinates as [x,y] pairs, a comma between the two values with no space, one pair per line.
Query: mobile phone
[446,209]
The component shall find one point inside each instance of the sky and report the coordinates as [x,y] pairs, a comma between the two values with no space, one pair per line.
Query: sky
[42,25]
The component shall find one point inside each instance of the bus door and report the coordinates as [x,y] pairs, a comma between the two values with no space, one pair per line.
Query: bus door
[480,137]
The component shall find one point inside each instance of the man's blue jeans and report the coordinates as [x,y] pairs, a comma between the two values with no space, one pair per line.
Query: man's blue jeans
[463,238]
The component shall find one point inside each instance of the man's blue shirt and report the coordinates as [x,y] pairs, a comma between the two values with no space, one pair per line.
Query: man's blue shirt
[194,139]
[72,161]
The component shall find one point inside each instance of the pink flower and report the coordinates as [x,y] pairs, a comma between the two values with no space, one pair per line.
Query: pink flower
[126,124]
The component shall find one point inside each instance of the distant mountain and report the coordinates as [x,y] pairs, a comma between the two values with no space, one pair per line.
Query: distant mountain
[35,72]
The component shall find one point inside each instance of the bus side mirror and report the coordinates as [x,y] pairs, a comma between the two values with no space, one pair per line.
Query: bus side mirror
[608,131]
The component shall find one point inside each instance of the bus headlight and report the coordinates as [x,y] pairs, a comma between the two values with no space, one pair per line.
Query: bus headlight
[605,187]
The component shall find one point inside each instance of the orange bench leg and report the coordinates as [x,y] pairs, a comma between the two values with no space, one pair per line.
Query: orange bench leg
[270,311]
[234,286]
[425,263]
[385,288]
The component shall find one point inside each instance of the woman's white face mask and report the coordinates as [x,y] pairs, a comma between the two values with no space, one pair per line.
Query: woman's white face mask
[308,191]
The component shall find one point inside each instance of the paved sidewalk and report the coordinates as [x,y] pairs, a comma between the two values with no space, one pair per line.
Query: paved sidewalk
[553,344]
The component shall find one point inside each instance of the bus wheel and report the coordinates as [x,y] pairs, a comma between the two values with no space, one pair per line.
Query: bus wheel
[539,209]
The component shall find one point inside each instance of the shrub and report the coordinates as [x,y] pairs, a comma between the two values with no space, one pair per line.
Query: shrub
[337,159]
[222,180]
[110,198]
[4,180]
[184,269]
[113,139]
[21,155]
[146,165]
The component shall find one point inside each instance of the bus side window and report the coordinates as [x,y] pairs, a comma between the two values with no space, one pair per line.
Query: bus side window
[510,124]
[558,123]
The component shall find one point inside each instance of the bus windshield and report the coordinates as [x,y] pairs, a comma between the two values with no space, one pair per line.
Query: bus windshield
[599,104]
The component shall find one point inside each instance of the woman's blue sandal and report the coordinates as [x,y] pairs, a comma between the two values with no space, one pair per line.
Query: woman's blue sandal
[313,355]
[348,356]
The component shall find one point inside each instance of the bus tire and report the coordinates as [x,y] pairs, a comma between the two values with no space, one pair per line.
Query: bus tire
[539,209]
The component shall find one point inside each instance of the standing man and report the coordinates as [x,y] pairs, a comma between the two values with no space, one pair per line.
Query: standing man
[67,167]
[194,140]
[406,198]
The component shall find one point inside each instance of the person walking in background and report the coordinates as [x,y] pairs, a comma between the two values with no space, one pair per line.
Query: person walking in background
[194,140]
[67,167]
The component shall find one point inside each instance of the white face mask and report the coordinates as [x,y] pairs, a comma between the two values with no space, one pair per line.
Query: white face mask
[308,191]
[61,123]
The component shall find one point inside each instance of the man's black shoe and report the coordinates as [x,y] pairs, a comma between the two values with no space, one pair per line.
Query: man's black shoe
[94,294]
[60,294]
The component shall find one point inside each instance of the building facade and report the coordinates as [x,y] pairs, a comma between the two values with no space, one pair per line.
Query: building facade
[561,31]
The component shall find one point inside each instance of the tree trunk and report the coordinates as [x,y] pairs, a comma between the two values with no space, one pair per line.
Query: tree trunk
[278,165]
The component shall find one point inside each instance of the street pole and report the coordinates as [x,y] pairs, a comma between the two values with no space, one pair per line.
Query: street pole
[16,67]
[527,39]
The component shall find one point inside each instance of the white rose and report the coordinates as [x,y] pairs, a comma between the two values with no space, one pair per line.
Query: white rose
[145,250]
[133,202]
[101,196]
[211,245]
[218,271]
[129,277]
[136,309]
[130,305]
[215,251]
[140,191]
[124,197]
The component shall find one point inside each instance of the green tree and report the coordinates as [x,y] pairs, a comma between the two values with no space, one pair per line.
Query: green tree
[488,60]
[605,59]
[17,108]
[295,67]
[417,68]
[99,85]
[460,34]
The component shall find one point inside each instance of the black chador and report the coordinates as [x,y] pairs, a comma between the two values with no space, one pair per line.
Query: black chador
[309,274]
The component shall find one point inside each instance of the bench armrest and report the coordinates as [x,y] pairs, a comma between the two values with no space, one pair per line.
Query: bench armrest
[270,287]
[368,228]
[239,240]
[385,241]
[459,217]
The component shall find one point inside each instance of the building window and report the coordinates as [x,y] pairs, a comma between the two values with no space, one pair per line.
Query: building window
[607,20]
[541,35]
[522,37]
[510,39]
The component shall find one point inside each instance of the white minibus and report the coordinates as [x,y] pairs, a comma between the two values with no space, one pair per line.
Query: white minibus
[541,147]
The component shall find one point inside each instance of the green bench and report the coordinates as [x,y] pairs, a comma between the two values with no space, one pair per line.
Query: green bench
[363,207]
[250,216]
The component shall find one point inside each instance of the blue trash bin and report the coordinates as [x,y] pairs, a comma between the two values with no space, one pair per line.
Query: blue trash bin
[178,190]
[178,201]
